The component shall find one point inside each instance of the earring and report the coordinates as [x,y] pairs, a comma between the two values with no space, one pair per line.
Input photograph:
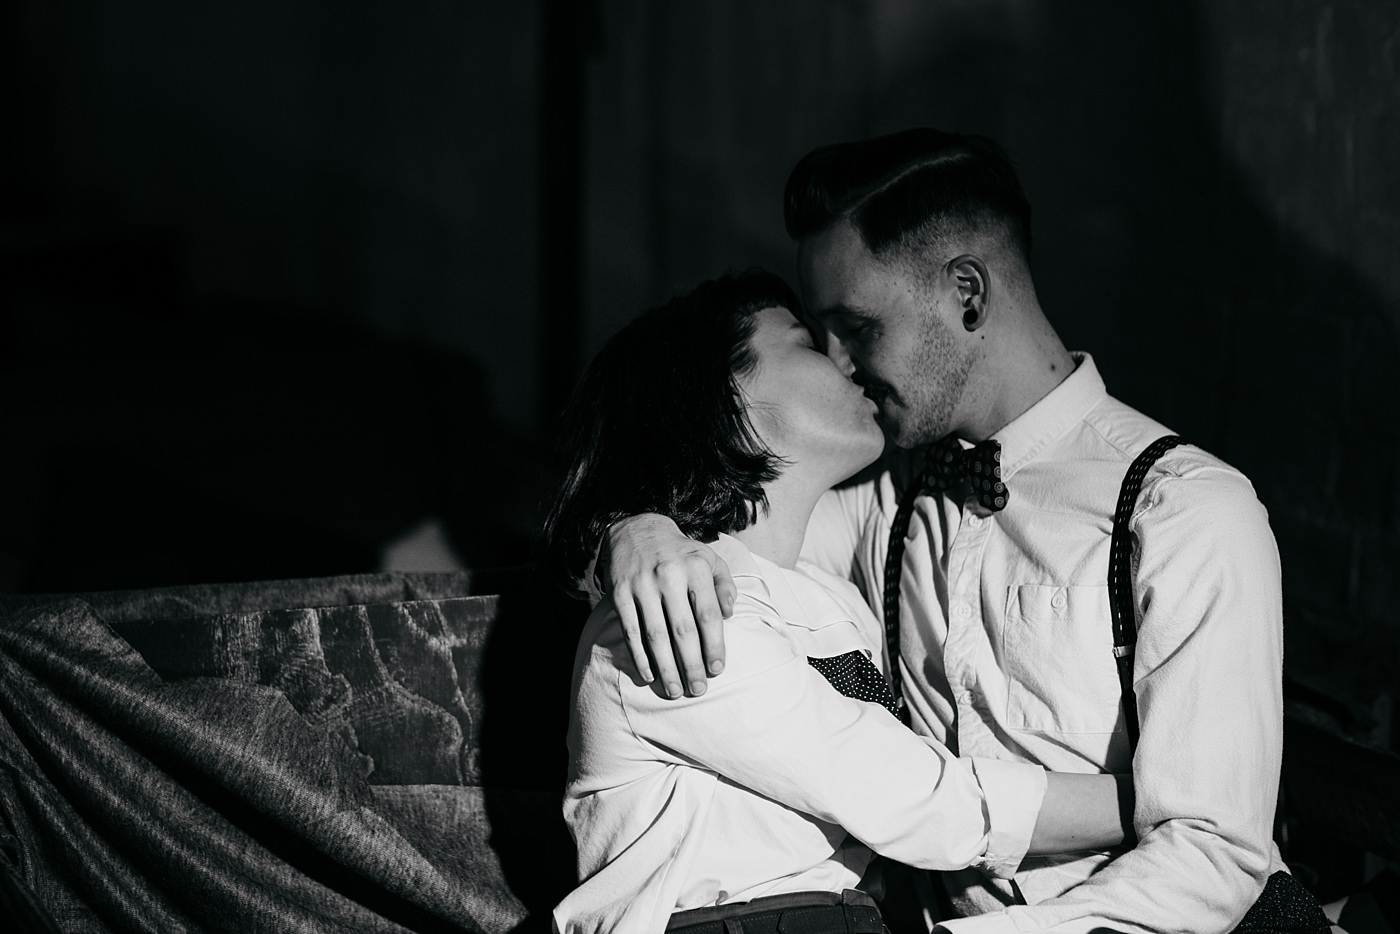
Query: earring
[969,317]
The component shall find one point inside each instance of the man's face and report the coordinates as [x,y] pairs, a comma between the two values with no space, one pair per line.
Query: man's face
[894,327]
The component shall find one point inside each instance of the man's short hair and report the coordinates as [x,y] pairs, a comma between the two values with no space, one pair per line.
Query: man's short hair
[909,189]
[657,423]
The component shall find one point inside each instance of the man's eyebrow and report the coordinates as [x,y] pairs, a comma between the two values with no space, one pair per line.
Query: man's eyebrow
[841,311]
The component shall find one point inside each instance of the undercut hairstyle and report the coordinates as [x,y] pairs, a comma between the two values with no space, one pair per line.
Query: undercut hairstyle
[657,424]
[907,190]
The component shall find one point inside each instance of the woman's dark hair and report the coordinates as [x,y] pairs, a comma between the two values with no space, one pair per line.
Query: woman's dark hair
[909,187]
[657,424]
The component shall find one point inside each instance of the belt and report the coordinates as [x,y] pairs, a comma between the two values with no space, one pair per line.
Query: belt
[848,912]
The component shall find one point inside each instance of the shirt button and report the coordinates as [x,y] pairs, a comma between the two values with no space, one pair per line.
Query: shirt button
[975,521]
[962,610]
[1058,600]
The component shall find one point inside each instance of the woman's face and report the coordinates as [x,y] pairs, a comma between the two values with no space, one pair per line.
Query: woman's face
[804,409]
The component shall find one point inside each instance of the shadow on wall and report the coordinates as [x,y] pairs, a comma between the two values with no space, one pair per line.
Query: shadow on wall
[208,217]
[1282,359]
[160,448]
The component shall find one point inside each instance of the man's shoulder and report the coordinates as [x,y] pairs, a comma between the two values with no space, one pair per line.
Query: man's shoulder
[1185,480]
[1188,486]
[1191,484]
[1121,430]
[1126,433]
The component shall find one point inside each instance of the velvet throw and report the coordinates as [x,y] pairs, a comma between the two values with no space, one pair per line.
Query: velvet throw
[291,770]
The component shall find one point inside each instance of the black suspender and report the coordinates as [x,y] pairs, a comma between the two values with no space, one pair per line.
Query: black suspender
[1120,578]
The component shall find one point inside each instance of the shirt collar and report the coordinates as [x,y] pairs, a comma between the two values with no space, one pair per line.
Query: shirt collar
[793,596]
[1065,406]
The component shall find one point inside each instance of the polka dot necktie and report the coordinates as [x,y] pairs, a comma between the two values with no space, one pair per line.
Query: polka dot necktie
[855,676]
[946,464]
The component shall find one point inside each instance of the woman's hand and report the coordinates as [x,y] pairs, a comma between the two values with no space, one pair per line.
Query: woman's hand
[672,595]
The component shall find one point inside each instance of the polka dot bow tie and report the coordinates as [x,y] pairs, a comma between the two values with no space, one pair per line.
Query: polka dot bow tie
[947,464]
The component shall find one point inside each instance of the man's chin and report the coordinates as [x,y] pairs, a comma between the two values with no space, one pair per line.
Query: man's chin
[904,436]
[903,443]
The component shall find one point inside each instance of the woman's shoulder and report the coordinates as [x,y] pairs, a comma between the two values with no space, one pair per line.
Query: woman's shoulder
[741,561]
[818,612]
[753,579]
[806,595]
[757,636]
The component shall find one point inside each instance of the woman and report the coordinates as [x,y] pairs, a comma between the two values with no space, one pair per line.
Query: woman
[763,797]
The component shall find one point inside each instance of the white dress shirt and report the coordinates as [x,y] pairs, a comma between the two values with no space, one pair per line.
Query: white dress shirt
[1006,652]
[752,788]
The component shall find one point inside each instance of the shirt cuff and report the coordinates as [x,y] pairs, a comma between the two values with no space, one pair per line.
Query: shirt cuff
[1014,792]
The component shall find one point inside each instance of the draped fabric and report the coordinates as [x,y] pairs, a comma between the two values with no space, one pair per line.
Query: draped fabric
[366,767]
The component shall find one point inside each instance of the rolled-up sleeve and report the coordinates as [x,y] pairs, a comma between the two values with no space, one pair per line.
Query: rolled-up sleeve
[1013,793]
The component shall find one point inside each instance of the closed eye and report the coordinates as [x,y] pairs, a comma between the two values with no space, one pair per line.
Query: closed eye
[853,327]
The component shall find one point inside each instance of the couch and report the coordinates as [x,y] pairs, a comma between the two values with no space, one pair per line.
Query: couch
[380,752]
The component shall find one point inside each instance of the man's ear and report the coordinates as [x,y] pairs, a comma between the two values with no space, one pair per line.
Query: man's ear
[974,287]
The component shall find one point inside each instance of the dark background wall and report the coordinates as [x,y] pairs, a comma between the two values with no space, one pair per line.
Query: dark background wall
[281,281]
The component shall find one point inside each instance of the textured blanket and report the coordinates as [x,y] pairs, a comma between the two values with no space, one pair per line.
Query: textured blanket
[368,767]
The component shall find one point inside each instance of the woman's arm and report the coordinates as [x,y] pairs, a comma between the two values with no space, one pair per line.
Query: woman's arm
[1083,812]
[775,726]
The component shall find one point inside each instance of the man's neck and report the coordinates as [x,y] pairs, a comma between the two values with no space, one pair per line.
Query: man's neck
[1024,373]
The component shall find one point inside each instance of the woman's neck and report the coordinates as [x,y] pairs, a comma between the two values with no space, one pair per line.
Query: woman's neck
[778,531]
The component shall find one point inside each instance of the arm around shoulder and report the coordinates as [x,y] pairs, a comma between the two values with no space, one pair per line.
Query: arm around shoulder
[672,594]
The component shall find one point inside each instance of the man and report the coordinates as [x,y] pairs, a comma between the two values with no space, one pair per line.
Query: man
[913,256]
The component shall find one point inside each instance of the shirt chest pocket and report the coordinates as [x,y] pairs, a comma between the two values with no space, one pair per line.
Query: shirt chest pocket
[1057,651]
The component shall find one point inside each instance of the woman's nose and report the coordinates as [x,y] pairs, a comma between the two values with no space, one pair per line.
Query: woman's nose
[837,353]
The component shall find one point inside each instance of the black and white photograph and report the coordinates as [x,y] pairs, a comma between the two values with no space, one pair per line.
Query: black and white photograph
[715,467]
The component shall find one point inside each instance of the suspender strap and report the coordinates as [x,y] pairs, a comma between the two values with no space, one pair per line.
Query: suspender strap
[894,566]
[1120,578]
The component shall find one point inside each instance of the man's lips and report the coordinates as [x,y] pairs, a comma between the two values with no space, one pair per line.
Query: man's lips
[876,394]
[885,402]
